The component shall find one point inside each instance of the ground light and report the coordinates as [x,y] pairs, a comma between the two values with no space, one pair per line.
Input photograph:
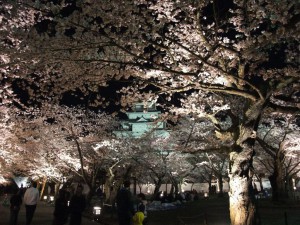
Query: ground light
[96,213]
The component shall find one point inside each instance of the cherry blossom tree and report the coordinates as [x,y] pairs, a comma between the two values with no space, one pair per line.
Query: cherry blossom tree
[54,143]
[228,63]
[7,156]
[197,136]
[280,144]
[218,163]
[16,20]
[118,166]
[152,153]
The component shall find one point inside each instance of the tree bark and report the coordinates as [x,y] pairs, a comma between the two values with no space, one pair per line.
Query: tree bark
[242,208]
[158,184]
[43,187]
[108,186]
[241,194]
[277,180]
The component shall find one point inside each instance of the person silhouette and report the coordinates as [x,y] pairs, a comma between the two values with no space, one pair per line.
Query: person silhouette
[125,207]
[15,205]
[77,206]
[61,209]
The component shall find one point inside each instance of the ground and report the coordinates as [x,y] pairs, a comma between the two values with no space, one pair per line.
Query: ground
[214,210]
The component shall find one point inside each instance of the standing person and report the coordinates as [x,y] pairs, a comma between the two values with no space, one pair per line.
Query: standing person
[61,208]
[77,206]
[31,198]
[125,205]
[15,204]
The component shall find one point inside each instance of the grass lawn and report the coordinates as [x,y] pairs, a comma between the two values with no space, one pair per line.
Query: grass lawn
[216,212]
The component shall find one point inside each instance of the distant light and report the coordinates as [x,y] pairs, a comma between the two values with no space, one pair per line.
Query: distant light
[45,197]
[205,195]
[51,198]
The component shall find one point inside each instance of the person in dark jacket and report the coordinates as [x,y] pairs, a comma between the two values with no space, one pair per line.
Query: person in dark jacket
[15,205]
[77,206]
[61,209]
[125,207]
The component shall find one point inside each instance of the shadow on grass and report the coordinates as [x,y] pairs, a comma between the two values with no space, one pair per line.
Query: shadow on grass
[216,212]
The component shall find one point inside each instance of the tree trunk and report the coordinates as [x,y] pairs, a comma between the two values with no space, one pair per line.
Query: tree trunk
[242,208]
[241,196]
[277,182]
[209,188]
[134,186]
[108,187]
[157,187]
[57,186]
[114,191]
[92,187]
[174,188]
[140,187]
[220,185]
[272,179]
[43,187]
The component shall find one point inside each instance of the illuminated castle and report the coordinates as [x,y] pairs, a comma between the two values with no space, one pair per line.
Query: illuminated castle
[144,119]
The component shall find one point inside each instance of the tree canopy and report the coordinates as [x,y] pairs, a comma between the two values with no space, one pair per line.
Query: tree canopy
[228,63]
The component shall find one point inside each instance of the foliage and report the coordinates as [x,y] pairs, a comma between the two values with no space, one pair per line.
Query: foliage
[235,62]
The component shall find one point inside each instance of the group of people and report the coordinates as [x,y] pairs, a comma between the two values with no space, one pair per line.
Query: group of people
[30,198]
[74,208]
[62,210]
[127,214]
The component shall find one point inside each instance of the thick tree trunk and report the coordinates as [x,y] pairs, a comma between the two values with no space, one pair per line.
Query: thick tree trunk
[111,190]
[277,182]
[242,208]
[241,194]
[113,185]
[92,187]
[108,187]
